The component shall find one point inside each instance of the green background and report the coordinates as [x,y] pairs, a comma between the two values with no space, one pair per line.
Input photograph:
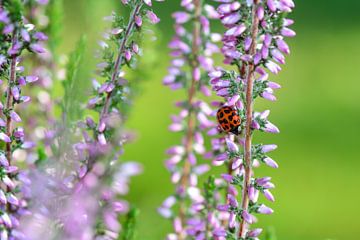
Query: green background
[317,111]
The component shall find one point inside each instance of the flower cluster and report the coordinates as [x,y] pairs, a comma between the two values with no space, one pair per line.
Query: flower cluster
[90,168]
[253,43]
[192,49]
[104,139]
[17,36]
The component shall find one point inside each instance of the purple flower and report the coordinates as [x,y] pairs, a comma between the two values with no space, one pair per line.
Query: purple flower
[152,17]
[264,209]
[254,233]
[15,117]
[270,162]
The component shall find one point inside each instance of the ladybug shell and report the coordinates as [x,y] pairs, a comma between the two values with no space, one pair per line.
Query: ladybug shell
[228,119]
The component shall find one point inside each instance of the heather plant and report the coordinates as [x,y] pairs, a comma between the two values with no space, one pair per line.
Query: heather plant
[87,176]
[253,43]
[192,48]
[74,184]
[17,36]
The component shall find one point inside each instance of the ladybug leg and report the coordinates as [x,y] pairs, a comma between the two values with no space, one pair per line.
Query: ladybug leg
[235,131]
[219,128]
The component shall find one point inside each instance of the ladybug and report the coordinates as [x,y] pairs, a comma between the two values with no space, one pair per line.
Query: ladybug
[229,119]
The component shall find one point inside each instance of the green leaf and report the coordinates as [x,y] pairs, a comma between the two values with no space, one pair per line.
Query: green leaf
[71,101]
[270,234]
[130,225]
[55,12]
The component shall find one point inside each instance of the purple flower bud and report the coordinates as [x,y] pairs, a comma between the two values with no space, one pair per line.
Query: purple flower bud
[28,145]
[31,79]
[223,208]
[219,233]
[6,220]
[14,116]
[19,132]
[277,56]
[273,85]
[262,181]
[236,163]
[21,81]
[101,139]
[25,35]
[231,19]
[36,47]
[127,55]
[268,148]
[176,150]
[247,217]
[8,182]
[15,92]
[282,45]
[254,233]
[227,177]
[236,31]
[232,146]
[232,220]
[269,195]
[264,210]
[247,43]
[287,32]
[40,36]
[270,162]
[251,194]
[2,123]
[138,21]
[3,199]
[273,67]
[152,17]
[216,74]
[196,74]
[135,48]
[260,13]
[271,5]
[148,2]
[12,199]
[221,157]
[268,96]
[271,128]
[181,17]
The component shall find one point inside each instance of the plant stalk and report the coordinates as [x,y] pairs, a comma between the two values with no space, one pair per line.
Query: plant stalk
[194,63]
[120,58]
[249,118]
[9,100]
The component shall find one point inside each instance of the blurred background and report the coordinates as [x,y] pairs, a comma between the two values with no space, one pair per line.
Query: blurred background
[318,112]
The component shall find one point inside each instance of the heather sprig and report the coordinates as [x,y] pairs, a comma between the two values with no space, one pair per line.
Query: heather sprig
[253,43]
[191,48]
[17,36]
[87,177]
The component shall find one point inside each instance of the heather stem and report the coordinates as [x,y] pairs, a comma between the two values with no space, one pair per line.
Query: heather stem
[249,116]
[120,57]
[9,100]
[194,63]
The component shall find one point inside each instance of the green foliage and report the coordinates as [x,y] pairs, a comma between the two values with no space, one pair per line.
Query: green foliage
[70,104]
[55,13]
[270,234]
[130,225]
[42,157]
[15,8]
